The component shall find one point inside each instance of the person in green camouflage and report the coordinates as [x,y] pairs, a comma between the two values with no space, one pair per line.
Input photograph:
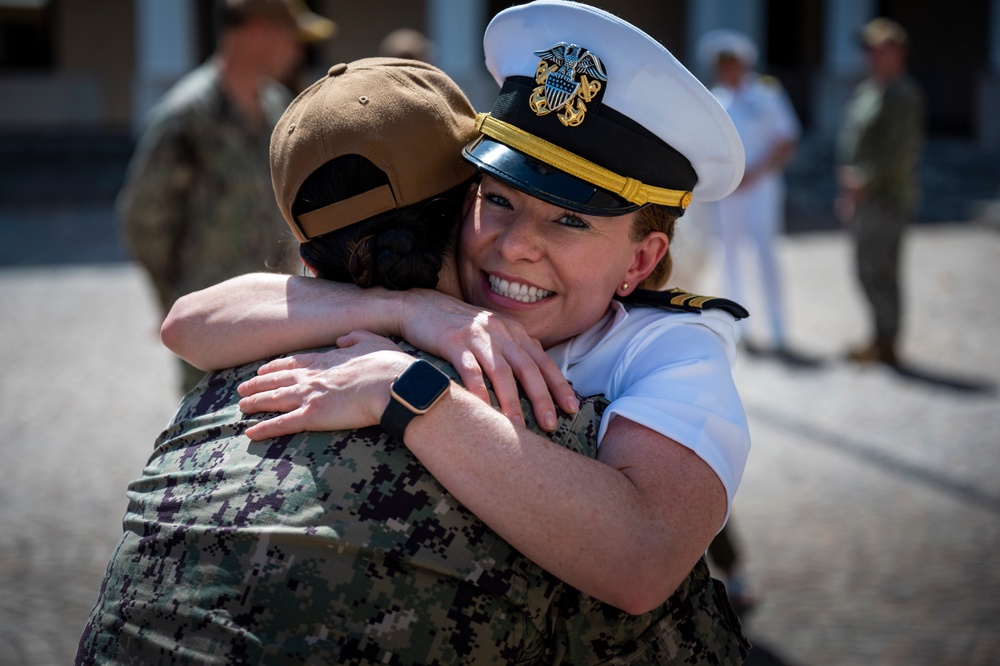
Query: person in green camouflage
[335,548]
[878,154]
[340,547]
[197,206]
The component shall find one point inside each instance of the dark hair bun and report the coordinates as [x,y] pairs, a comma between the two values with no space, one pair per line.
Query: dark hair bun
[393,259]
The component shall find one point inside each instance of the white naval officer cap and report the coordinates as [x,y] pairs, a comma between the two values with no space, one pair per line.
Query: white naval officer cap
[715,43]
[596,116]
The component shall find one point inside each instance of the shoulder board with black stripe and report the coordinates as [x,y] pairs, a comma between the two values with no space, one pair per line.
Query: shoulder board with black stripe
[678,300]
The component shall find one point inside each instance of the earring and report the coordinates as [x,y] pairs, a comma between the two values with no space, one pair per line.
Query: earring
[624,286]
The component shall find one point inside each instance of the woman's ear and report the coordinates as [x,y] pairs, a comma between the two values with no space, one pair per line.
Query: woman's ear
[647,254]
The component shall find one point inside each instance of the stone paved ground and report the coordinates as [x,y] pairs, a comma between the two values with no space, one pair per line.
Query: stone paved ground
[869,515]
[870,511]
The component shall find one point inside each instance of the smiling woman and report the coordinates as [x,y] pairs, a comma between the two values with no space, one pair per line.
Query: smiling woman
[516,239]
[595,146]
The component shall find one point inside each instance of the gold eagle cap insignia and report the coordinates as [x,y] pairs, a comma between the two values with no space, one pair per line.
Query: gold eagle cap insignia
[569,76]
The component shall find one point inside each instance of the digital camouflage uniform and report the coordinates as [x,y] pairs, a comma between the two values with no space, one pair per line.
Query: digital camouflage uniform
[880,138]
[340,548]
[197,206]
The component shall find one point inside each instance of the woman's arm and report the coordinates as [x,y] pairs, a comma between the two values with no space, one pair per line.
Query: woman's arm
[256,316]
[625,528]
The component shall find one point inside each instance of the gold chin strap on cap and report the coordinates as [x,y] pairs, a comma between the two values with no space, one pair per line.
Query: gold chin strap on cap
[629,189]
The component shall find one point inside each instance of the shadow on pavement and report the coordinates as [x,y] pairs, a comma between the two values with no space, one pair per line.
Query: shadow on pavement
[935,378]
[941,380]
[761,655]
[880,458]
[787,356]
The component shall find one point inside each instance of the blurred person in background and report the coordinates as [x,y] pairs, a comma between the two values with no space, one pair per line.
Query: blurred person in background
[878,152]
[753,216]
[197,205]
[407,43]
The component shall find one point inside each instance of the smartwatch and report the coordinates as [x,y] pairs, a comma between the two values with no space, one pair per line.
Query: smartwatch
[413,393]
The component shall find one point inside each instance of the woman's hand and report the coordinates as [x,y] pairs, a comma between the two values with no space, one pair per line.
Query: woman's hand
[341,389]
[476,341]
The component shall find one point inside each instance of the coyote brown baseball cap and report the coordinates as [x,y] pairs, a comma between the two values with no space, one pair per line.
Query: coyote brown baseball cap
[404,116]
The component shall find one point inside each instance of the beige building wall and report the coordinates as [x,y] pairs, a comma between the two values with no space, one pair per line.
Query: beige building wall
[360,28]
[90,82]
[94,57]
[363,24]
[88,85]
[96,43]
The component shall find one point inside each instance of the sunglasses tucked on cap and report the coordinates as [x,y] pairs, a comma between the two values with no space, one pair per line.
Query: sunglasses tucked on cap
[597,117]
[404,116]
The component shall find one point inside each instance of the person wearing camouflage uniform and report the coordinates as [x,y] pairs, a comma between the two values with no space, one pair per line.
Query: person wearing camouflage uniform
[197,205]
[341,548]
[878,154]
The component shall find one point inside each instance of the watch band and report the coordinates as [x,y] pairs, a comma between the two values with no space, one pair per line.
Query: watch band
[411,394]
[395,418]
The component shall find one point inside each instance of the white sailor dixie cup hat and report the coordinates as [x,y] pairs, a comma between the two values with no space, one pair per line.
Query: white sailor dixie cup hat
[596,116]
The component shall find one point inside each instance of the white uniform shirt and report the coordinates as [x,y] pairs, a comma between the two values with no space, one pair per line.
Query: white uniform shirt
[671,372]
[762,113]
[754,214]
[763,116]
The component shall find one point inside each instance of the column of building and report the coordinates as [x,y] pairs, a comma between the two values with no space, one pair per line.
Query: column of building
[165,50]
[843,63]
[456,27]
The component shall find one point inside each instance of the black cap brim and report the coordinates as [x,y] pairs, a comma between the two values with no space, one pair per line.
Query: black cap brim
[544,181]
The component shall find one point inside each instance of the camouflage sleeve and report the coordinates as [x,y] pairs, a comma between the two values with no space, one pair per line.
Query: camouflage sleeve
[152,202]
[889,152]
[696,625]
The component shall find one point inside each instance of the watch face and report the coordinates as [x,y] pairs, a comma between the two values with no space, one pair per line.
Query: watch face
[420,385]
